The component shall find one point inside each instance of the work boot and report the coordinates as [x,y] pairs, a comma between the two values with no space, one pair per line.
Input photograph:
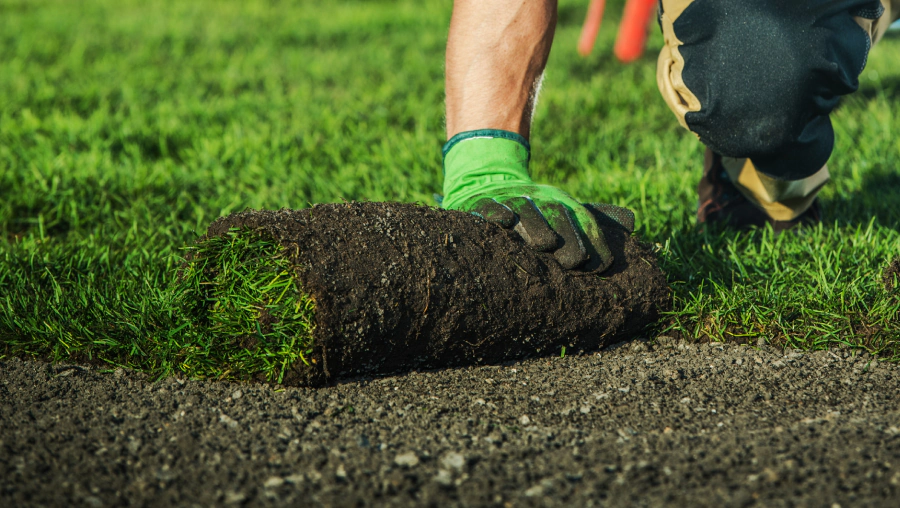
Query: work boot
[722,203]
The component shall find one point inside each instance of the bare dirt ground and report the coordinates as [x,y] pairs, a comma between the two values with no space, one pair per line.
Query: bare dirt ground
[663,425]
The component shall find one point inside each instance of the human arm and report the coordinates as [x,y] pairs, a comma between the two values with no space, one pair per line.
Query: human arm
[496,54]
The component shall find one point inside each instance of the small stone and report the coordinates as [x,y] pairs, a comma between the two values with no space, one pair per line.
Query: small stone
[274,482]
[237,394]
[537,490]
[585,410]
[444,478]
[134,444]
[408,459]
[294,479]
[234,497]
[524,420]
[227,420]
[895,480]
[341,473]
[453,460]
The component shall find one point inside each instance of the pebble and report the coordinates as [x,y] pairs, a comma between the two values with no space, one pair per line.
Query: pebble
[235,498]
[294,478]
[408,459]
[537,490]
[227,420]
[237,394]
[453,460]
[444,478]
[274,482]
[524,420]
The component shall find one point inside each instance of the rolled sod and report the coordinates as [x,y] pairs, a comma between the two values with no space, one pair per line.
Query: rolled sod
[340,291]
[892,275]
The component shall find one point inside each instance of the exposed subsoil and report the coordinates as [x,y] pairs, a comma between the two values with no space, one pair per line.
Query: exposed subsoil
[646,425]
[400,286]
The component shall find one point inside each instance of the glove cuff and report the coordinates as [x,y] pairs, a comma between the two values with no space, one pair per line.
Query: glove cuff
[477,161]
[485,134]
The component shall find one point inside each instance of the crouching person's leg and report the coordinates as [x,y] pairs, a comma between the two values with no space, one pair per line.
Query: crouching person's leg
[756,81]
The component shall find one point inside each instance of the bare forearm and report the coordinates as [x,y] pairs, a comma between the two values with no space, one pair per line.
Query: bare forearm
[496,54]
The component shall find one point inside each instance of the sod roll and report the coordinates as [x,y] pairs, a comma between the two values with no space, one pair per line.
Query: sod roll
[892,275]
[389,287]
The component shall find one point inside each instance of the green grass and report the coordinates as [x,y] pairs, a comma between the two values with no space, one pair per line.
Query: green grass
[242,310]
[127,126]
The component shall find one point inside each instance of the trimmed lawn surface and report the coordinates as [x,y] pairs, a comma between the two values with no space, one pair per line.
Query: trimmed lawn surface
[127,126]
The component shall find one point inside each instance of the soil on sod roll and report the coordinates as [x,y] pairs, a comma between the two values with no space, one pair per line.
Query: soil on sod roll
[892,273]
[401,286]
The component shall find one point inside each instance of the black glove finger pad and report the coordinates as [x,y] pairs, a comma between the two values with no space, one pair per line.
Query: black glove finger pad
[600,257]
[532,226]
[492,211]
[612,215]
[571,253]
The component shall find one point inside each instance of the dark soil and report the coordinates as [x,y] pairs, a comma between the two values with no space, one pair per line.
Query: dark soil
[891,273]
[663,425]
[400,286]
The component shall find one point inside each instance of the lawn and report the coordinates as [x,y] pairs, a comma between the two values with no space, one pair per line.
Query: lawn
[127,126]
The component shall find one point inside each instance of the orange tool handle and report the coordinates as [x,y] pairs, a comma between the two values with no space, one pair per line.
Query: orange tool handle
[591,27]
[633,31]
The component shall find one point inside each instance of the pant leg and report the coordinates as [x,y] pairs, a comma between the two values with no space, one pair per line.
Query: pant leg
[877,28]
[756,81]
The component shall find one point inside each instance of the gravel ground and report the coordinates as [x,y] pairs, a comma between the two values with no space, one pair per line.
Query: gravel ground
[670,424]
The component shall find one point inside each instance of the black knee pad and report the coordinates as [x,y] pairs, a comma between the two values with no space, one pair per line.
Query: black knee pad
[767,74]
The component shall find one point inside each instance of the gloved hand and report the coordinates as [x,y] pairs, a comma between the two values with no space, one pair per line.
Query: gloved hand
[486,173]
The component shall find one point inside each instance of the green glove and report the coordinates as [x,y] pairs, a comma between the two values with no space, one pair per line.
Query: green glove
[486,173]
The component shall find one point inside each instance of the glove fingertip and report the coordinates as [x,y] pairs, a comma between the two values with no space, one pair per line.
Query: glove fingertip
[613,215]
[493,211]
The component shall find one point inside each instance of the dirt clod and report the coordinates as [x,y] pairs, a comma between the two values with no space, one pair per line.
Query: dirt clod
[400,287]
